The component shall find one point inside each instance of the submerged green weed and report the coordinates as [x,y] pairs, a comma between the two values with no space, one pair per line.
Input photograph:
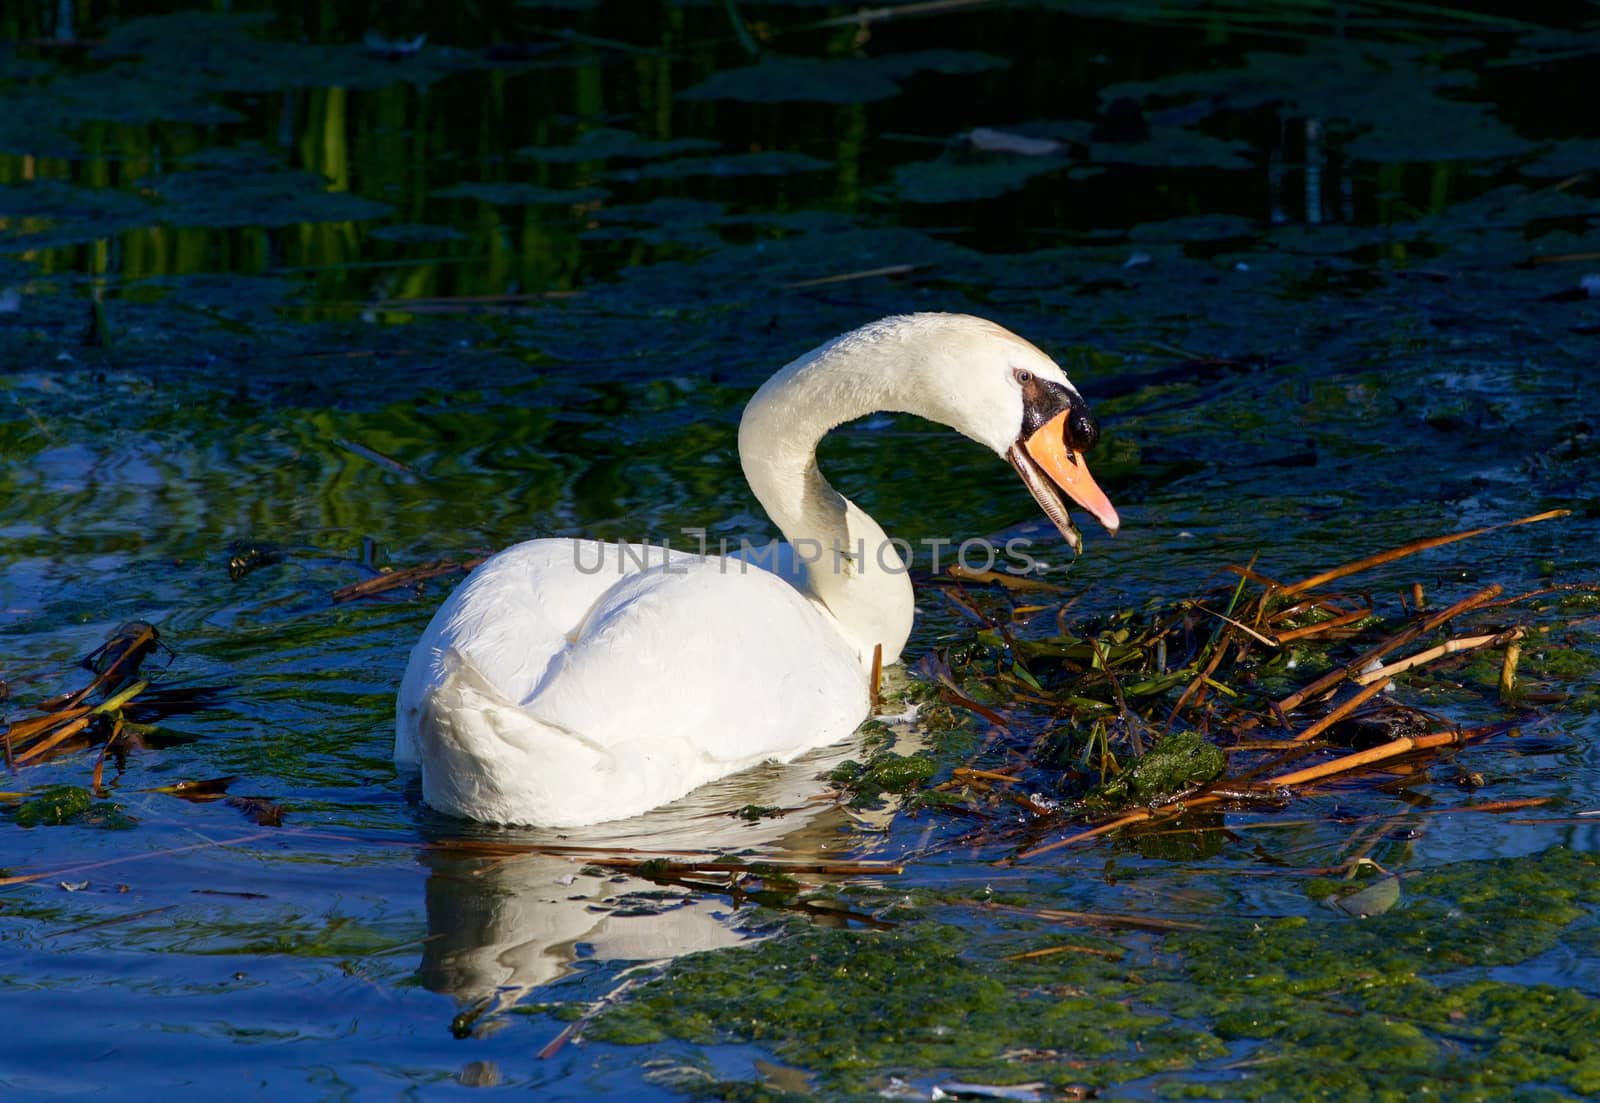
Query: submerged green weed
[1299,1008]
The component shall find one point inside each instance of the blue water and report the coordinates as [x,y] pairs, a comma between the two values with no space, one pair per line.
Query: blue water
[1334,363]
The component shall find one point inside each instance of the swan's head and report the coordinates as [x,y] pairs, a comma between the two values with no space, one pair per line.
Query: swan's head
[968,373]
[1002,391]
[1056,430]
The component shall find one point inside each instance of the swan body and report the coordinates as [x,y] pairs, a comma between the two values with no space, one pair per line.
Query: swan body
[569,682]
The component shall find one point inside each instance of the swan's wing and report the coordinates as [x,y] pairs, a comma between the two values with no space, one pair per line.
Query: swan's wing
[545,693]
[704,666]
[511,617]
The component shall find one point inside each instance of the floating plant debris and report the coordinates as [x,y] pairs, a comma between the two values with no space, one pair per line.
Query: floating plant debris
[1338,347]
[409,576]
[68,721]
[1137,712]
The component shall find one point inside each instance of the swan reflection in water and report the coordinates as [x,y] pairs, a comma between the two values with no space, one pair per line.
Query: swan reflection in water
[503,925]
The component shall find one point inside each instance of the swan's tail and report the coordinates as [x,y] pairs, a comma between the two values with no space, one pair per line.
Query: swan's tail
[484,756]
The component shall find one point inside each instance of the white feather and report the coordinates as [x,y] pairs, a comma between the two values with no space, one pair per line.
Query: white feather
[569,682]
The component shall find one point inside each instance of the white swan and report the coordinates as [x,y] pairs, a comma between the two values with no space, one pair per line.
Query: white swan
[567,682]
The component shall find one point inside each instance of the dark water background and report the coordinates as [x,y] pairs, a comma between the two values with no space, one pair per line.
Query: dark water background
[273,288]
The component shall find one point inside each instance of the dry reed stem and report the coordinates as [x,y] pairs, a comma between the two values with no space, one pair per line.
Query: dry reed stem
[1096,919]
[85,867]
[1344,709]
[863,274]
[1399,639]
[1323,625]
[1200,679]
[1304,606]
[877,677]
[571,1030]
[393,580]
[24,730]
[1268,640]
[964,772]
[97,777]
[1561,258]
[1068,948]
[142,641]
[1384,751]
[108,707]
[1508,669]
[954,696]
[1495,806]
[1344,764]
[1448,647]
[1415,546]
[55,739]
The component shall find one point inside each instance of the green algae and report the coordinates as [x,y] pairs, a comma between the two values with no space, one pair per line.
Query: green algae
[855,1008]
[57,805]
[1400,336]
[865,785]
[1318,1007]
[1175,762]
[60,805]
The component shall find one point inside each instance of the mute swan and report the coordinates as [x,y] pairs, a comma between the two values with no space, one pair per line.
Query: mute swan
[568,682]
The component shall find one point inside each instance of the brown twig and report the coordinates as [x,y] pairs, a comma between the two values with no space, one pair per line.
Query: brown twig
[877,677]
[1415,546]
[863,274]
[1344,709]
[1344,764]
[393,580]
[1399,639]
[1448,647]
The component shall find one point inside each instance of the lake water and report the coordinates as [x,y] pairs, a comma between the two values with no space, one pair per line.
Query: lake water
[284,290]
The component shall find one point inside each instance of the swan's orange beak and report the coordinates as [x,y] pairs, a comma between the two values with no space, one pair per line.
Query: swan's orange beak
[1049,467]
[1049,449]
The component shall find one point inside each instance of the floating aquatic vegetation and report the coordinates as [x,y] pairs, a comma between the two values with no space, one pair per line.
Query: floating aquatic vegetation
[266,196]
[1573,157]
[69,720]
[1200,227]
[1391,97]
[690,222]
[513,194]
[55,212]
[959,178]
[988,162]
[610,144]
[1116,699]
[1266,1007]
[776,79]
[220,188]
[416,233]
[774,162]
[199,51]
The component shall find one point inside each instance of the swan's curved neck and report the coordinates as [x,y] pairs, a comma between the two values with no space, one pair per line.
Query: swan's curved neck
[852,568]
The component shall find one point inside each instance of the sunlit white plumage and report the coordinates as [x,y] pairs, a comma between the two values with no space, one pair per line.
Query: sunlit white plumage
[570,682]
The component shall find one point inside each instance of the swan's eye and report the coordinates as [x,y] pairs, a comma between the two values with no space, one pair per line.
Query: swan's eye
[1024,375]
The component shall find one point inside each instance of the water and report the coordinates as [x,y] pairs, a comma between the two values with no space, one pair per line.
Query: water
[1324,310]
